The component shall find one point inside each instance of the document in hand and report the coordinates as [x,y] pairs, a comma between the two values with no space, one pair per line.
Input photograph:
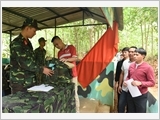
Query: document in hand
[41,87]
[133,89]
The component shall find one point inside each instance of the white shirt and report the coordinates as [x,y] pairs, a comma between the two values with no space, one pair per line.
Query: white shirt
[138,64]
[118,56]
[124,68]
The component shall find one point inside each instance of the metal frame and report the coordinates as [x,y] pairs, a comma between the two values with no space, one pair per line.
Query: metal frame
[85,12]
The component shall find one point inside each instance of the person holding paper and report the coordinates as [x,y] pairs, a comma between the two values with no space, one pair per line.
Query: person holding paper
[122,90]
[67,53]
[143,77]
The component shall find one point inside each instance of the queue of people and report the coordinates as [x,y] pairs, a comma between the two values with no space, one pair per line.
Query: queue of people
[133,66]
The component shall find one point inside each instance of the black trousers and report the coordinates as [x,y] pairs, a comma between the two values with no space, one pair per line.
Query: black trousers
[118,96]
[137,104]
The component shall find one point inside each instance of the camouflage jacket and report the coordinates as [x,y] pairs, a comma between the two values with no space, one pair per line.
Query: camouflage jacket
[40,56]
[62,73]
[22,61]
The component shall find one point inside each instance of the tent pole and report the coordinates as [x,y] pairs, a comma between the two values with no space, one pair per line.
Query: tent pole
[10,33]
[54,34]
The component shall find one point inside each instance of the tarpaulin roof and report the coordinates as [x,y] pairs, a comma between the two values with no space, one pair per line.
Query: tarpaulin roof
[50,17]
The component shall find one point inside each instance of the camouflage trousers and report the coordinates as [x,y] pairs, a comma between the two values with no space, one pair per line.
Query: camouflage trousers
[75,81]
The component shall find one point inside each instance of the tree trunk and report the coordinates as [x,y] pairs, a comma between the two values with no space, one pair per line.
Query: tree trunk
[142,34]
[76,38]
[98,35]
[94,36]
[152,41]
[91,35]
[45,32]
[146,36]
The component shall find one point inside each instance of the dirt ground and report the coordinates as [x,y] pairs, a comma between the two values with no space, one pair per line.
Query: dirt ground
[154,90]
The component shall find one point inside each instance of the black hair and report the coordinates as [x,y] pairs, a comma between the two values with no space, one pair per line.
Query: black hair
[55,37]
[141,51]
[133,47]
[23,26]
[30,22]
[125,49]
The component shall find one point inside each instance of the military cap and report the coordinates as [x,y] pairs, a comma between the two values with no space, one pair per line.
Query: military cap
[41,39]
[31,22]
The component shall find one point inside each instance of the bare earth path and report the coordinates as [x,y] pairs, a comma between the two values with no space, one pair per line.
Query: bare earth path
[154,91]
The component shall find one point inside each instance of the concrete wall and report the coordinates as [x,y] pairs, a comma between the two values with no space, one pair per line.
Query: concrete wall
[101,88]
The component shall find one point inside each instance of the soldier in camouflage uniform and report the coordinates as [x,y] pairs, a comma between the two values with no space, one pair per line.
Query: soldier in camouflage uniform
[22,59]
[40,53]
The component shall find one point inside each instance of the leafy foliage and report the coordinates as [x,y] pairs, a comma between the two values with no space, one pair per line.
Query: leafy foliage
[138,25]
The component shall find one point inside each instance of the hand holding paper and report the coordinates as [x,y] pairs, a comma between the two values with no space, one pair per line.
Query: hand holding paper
[133,89]
[136,83]
[124,84]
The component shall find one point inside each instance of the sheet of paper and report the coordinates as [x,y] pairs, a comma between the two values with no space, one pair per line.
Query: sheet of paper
[124,88]
[41,87]
[133,89]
